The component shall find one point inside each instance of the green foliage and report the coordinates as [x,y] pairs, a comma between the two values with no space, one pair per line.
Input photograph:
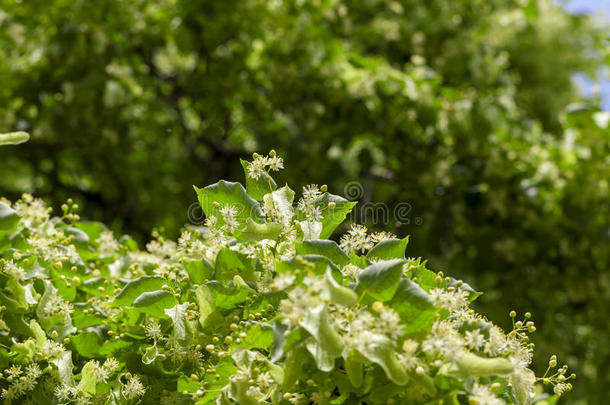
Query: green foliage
[455,107]
[274,317]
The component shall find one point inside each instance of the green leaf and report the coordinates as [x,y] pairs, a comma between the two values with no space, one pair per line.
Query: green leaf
[18,298]
[425,382]
[227,297]
[254,231]
[82,320]
[176,313]
[389,249]
[262,301]
[381,352]
[155,303]
[293,365]
[66,290]
[380,394]
[92,229]
[224,369]
[14,138]
[87,344]
[8,217]
[323,247]
[257,188]
[317,264]
[472,293]
[111,348]
[425,278]
[329,343]
[354,368]
[335,216]
[226,192]
[88,380]
[199,271]
[259,336]
[187,384]
[325,360]
[339,294]
[92,285]
[230,263]
[135,288]
[78,236]
[206,303]
[380,279]
[415,308]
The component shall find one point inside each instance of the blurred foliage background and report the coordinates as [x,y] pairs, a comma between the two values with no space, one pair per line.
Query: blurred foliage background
[463,109]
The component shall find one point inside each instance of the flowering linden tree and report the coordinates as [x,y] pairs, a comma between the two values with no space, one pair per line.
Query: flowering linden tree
[258,306]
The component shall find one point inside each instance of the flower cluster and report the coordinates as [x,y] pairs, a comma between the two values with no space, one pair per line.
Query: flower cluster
[261,165]
[358,240]
[255,310]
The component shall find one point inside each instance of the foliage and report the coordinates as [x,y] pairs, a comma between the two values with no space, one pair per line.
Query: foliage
[232,313]
[456,108]
[141,95]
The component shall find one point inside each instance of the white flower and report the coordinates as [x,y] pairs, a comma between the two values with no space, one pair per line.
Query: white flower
[408,359]
[474,339]
[452,300]
[27,382]
[65,392]
[496,342]
[264,380]
[389,323]
[33,211]
[107,245]
[356,239]
[301,300]
[482,395]
[133,388]
[351,271]
[381,236]
[256,168]
[111,364]
[162,248]
[54,349]
[296,398]
[307,203]
[153,330]
[100,372]
[282,281]
[57,305]
[443,340]
[229,214]
[13,270]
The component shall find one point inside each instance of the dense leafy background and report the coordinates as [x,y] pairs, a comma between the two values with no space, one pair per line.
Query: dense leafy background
[457,108]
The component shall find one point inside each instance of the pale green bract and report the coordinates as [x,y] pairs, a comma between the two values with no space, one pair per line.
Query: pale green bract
[251,308]
[14,138]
